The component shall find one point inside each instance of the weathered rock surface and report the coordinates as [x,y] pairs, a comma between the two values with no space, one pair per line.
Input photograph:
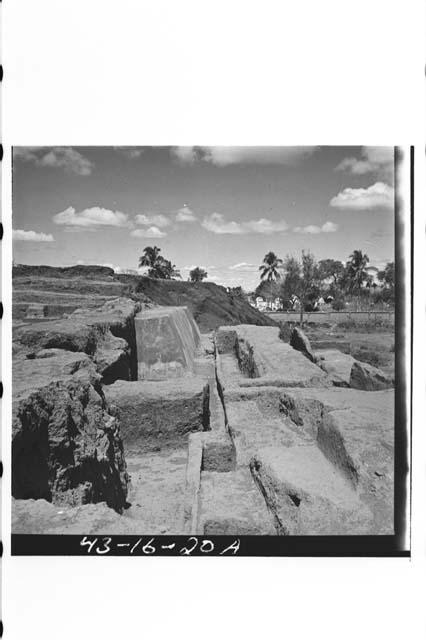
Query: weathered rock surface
[300,342]
[36,310]
[66,446]
[295,456]
[365,376]
[306,494]
[218,452]
[47,366]
[42,517]
[355,431]
[345,371]
[167,340]
[113,359]
[337,365]
[107,334]
[347,439]
[226,340]
[158,414]
[264,360]
[230,504]
[69,334]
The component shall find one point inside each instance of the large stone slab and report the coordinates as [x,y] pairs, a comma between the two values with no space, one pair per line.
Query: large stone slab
[167,340]
[355,431]
[350,431]
[337,365]
[265,360]
[307,495]
[158,414]
[346,371]
[49,365]
[365,376]
[107,334]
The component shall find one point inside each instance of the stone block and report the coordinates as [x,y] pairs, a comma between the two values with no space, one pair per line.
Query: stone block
[158,414]
[300,342]
[218,453]
[167,339]
[368,378]
[307,495]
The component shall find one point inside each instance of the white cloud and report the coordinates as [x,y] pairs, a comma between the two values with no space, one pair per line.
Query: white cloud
[91,218]
[265,226]
[154,219]
[244,267]
[223,156]
[189,267]
[185,214]
[133,153]
[66,158]
[378,160]
[151,232]
[32,236]
[216,223]
[377,196]
[327,227]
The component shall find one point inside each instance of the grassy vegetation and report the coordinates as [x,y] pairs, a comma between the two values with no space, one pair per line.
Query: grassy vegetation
[366,326]
[371,342]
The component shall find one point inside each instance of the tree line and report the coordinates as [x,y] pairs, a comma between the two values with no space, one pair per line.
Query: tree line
[302,282]
[298,283]
[162,269]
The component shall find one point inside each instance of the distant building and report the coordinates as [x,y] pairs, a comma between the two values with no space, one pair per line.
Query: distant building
[260,303]
[268,305]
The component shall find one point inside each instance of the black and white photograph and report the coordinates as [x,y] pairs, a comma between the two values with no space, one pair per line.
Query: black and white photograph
[212,384]
[204,341]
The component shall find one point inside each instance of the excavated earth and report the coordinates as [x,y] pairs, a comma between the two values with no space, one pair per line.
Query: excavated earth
[127,420]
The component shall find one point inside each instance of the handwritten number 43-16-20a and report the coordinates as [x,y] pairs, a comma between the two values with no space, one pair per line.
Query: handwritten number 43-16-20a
[105,545]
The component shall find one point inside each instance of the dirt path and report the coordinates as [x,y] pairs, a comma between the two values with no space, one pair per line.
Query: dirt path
[157,492]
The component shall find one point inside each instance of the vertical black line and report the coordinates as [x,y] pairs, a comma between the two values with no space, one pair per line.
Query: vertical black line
[412,323]
[403,271]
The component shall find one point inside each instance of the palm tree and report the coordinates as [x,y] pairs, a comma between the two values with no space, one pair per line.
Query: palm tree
[159,267]
[149,257]
[269,267]
[356,270]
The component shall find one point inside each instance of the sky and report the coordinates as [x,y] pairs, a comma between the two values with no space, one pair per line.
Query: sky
[220,208]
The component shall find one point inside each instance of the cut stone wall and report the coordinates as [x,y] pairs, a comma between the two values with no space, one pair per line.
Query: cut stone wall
[167,340]
[154,415]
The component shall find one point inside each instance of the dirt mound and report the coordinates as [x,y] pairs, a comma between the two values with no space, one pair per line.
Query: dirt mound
[90,271]
[80,286]
[211,305]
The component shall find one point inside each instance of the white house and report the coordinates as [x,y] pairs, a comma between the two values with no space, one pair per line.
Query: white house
[268,305]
